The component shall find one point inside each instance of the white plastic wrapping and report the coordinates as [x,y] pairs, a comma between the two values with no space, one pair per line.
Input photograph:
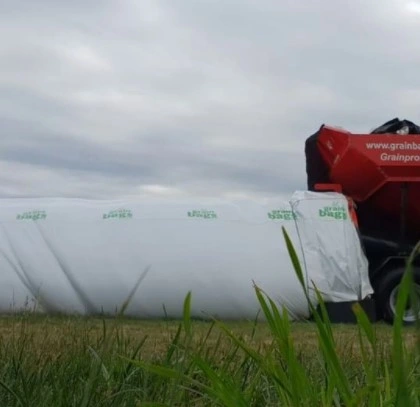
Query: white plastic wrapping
[334,258]
[78,256]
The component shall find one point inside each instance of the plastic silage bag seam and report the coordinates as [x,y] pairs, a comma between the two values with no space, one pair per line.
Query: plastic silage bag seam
[75,285]
[300,248]
[23,271]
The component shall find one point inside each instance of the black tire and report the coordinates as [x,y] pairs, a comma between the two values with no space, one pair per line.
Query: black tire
[386,294]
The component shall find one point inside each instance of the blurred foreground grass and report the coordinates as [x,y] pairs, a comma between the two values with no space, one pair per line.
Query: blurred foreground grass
[63,361]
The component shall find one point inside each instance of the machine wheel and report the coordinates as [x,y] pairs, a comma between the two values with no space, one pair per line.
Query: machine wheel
[386,294]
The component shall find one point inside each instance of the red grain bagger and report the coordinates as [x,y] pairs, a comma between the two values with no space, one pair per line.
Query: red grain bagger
[380,172]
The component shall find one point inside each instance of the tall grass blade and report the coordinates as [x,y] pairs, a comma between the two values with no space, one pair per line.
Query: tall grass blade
[400,363]
[222,387]
[133,290]
[324,329]
[187,314]
[294,258]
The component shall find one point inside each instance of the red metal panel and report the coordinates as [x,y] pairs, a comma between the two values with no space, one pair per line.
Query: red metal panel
[372,168]
[364,163]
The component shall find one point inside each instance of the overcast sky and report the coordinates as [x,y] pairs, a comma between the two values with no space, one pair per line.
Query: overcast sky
[129,98]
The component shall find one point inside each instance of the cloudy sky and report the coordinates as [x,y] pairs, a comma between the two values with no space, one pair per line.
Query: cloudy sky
[133,98]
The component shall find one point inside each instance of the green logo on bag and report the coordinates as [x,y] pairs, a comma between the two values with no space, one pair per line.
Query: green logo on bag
[336,211]
[283,214]
[32,215]
[203,213]
[118,214]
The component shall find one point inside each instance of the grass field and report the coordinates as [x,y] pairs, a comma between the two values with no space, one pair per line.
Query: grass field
[62,361]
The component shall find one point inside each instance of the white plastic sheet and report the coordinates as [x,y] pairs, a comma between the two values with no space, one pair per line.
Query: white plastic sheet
[334,258]
[78,256]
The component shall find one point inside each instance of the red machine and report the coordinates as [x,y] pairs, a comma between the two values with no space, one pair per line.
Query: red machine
[380,171]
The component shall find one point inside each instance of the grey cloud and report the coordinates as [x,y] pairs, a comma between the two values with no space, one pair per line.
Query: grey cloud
[153,161]
[205,97]
[352,47]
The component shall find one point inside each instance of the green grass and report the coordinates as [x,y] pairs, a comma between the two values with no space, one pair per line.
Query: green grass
[63,361]
[48,361]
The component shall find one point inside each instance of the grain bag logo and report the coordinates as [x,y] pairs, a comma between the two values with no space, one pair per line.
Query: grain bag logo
[32,215]
[202,213]
[336,211]
[282,214]
[118,214]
